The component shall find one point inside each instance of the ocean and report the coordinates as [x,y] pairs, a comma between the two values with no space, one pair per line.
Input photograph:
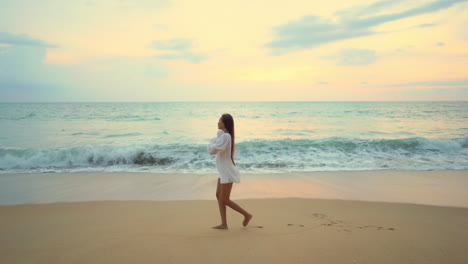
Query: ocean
[271,137]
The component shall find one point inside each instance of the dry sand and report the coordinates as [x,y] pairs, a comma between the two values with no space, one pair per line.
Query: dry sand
[290,230]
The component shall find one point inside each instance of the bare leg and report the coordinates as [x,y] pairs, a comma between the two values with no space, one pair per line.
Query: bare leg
[223,200]
[222,208]
[239,209]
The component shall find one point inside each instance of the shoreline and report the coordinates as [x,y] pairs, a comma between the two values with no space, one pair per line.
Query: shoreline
[440,188]
[284,230]
[67,203]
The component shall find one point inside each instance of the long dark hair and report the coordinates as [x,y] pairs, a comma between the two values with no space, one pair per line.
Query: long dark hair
[228,122]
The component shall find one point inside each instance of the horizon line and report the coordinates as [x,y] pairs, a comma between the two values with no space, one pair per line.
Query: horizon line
[293,101]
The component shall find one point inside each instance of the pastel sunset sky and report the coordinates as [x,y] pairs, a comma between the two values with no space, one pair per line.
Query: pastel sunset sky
[252,50]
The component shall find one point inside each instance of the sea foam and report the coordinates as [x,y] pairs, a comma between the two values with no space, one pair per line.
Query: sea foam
[260,155]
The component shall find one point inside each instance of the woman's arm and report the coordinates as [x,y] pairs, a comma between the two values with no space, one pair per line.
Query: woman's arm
[219,144]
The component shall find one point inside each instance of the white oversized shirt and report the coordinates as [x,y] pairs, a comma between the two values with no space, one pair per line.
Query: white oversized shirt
[221,147]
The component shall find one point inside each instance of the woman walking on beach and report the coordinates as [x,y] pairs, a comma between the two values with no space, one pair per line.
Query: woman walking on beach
[223,147]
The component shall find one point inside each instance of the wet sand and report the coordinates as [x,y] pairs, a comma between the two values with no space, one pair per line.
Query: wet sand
[443,188]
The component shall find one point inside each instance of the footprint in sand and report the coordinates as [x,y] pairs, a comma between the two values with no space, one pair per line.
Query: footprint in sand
[331,223]
[343,226]
[293,224]
[319,216]
[377,227]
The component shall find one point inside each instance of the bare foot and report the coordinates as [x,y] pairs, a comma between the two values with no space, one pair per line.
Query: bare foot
[247,220]
[220,227]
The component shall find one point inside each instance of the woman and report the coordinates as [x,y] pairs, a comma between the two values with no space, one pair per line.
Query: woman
[223,147]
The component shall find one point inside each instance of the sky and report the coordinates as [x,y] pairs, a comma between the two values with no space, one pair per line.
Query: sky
[252,50]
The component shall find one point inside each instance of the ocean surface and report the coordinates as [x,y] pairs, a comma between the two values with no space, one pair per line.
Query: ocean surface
[271,137]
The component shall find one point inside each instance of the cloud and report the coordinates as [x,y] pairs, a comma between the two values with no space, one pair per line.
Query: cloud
[22,60]
[23,75]
[181,46]
[432,94]
[322,82]
[440,44]
[453,82]
[426,25]
[23,40]
[178,44]
[189,56]
[312,31]
[363,10]
[352,57]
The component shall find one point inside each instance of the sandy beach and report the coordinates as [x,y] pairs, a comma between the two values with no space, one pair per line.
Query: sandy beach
[387,216]
[290,230]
